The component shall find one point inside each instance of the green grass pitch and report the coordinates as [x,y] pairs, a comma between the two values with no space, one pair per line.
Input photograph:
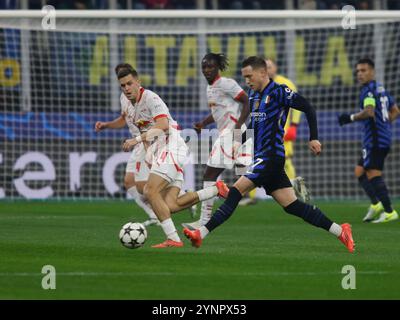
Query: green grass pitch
[260,253]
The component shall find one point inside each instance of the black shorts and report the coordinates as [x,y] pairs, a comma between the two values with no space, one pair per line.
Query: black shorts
[269,174]
[373,158]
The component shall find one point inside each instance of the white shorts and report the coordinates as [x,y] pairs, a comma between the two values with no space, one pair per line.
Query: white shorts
[223,155]
[137,165]
[168,161]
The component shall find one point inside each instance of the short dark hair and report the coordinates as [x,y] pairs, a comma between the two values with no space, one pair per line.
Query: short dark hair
[220,58]
[255,62]
[367,61]
[123,69]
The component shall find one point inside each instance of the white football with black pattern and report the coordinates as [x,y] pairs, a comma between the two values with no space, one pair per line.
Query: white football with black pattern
[133,235]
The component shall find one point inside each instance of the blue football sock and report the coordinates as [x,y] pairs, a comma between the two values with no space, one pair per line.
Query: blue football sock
[225,210]
[309,213]
[382,193]
[368,188]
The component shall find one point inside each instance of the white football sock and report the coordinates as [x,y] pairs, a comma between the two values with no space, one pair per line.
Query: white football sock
[207,205]
[207,193]
[335,229]
[170,230]
[141,202]
[203,232]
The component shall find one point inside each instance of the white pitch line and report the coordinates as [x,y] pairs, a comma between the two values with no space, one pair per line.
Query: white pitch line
[125,274]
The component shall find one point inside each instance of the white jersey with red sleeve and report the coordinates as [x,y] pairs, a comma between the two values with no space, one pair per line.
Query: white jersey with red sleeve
[148,108]
[128,113]
[167,155]
[136,162]
[222,97]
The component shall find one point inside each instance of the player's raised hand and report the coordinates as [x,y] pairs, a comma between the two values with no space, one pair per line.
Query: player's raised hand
[198,126]
[128,144]
[344,118]
[99,126]
[315,147]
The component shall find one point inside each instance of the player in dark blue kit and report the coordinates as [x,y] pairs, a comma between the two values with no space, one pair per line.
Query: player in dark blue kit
[270,105]
[378,111]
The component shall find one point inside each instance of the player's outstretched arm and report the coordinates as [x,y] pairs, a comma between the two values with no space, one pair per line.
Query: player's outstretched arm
[368,112]
[204,123]
[117,123]
[160,127]
[302,104]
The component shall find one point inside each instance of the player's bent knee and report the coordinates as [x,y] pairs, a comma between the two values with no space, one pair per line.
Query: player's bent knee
[358,171]
[172,204]
[150,191]
[140,186]
[293,206]
[129,182]
[181,202]
[173,207]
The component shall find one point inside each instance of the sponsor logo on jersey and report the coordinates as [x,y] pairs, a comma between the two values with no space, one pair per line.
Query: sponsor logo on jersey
[259,116]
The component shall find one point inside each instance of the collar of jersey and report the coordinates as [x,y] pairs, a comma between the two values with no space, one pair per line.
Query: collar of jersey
[216,79]
[267,88]
[141,90]
[369,83]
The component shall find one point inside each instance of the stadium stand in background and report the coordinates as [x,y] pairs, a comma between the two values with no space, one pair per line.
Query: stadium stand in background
[202,4]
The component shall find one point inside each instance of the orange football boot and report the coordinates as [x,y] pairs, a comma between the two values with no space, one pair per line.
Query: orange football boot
[223,189]
[346,237]
[194,236]
[168,243]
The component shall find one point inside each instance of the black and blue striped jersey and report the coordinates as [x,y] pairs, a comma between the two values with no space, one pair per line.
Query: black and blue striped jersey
[269,110]
[377,131]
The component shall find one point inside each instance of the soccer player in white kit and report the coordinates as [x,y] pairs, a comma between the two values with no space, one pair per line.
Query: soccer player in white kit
[136,172]
[229,107]
[166,156]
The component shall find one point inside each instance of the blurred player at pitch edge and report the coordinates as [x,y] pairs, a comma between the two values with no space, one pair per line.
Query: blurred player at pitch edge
[166,155]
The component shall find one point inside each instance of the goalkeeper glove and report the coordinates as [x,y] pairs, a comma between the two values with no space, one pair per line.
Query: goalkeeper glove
[290,134]
[345,118]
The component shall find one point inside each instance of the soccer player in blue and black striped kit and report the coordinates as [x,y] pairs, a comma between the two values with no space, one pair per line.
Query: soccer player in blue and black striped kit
[378,111]
[270,105]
